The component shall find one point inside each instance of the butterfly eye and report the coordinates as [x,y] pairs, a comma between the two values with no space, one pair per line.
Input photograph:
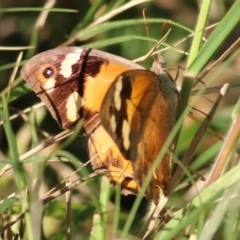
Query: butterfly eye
[48,72]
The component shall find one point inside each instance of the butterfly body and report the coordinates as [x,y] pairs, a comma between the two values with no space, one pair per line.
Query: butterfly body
[129,111]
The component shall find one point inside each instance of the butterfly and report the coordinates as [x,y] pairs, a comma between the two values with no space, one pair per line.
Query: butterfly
[127,110]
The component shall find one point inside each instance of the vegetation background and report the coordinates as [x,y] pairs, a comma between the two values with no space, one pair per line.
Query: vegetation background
[123,34]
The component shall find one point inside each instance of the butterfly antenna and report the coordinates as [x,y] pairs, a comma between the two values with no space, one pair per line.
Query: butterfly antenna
[155,47]
[146,26]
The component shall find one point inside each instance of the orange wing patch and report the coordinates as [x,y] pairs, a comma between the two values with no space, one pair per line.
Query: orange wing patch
[106,157]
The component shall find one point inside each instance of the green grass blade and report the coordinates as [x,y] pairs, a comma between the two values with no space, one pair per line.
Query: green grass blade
[21,180]
[216,39]
[201,23]
[37,9]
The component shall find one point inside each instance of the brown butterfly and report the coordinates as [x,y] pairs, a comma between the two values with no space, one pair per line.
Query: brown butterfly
[128,111]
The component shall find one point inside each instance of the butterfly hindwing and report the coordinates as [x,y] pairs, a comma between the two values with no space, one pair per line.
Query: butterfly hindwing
[106,157]
[139,114]
[120,106]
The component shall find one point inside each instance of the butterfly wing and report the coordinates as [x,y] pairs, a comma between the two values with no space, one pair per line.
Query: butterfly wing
[106,157]
[73,81]
[138,112]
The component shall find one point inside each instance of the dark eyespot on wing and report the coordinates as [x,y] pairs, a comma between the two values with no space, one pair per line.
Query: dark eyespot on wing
[48,72]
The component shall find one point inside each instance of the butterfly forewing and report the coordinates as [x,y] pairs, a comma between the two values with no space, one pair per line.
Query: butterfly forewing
[73,81]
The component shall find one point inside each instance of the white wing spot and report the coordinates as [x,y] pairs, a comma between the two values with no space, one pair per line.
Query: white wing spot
[49,85]
[117,97]
[70,59]
[73,105]
[125,134]
[113,124]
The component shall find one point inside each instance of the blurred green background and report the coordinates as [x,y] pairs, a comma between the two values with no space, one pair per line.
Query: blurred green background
[18,28]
